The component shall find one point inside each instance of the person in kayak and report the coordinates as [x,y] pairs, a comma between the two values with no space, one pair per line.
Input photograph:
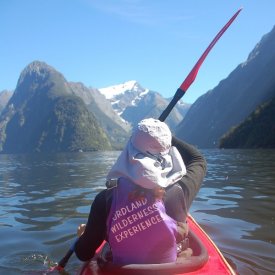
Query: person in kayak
[143,211]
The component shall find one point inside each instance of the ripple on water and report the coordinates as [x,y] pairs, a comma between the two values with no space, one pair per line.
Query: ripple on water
[26,262]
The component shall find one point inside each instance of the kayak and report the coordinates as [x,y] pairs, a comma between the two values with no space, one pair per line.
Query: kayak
[206,259]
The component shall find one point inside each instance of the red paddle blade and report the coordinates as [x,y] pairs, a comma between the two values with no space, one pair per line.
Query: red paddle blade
[192,75]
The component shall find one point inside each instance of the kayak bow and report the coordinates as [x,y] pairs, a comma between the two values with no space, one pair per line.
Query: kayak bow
[206,259]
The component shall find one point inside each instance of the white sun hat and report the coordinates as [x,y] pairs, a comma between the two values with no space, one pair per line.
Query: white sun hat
[148,159]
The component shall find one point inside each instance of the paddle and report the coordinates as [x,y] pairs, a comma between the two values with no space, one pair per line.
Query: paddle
[192,75]
[178,95]
[62,263]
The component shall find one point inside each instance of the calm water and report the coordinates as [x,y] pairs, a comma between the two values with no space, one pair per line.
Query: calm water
[44,197]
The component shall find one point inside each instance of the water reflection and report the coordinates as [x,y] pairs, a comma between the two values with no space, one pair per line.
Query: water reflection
[236,206]
[44,197]
[40,190]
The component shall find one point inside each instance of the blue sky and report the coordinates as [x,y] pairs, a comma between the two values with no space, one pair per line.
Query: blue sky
[106,42]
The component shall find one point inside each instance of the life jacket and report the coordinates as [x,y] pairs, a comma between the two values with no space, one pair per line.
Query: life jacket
[139,230]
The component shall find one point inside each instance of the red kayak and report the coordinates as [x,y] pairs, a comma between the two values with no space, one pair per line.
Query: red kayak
[206,259]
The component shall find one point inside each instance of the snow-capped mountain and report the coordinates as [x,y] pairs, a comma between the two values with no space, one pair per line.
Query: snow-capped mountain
[124,95]
[112,91]
[132,102]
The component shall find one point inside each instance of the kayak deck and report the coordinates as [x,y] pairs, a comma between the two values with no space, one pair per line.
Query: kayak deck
[206,259]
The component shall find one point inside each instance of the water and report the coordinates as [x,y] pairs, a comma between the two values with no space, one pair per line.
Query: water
[43,198]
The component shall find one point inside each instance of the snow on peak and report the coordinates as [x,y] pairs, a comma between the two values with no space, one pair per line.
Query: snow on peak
[111,91]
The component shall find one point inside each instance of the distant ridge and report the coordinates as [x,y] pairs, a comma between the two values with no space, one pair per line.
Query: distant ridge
[257,131]
[132,103]
[4,98]
[232,101]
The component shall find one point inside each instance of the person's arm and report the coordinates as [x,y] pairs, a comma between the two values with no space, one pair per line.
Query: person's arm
[95,231]
[196,168]
[180,196]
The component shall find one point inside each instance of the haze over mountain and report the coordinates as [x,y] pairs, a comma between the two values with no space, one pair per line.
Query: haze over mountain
[233,99]
[4,98]
[116,129]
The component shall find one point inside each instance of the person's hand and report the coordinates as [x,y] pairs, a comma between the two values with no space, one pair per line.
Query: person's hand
[81,229]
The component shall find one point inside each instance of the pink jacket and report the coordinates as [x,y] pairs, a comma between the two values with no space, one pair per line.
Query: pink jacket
[139,231]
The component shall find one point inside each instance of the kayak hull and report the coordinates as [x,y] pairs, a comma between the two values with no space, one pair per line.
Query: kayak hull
[206,259]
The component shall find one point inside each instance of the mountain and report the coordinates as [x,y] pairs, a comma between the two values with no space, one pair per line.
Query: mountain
[4,98]
[257,131]
[228,104]
[116,129]
[133,102]
[41,90]
[44,116]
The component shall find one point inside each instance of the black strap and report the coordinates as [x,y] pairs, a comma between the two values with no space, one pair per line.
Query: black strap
[111,183]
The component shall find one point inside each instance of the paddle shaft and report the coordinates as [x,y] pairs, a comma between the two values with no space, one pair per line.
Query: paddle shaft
[178,95]
[62,263]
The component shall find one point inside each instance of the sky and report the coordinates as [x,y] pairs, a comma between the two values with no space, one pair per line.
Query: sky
[107,42]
